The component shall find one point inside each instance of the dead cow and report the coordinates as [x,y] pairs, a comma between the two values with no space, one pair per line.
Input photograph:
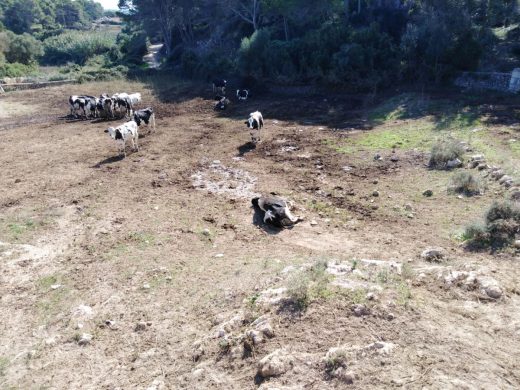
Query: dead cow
[121,134]
[276,211]
[255,124]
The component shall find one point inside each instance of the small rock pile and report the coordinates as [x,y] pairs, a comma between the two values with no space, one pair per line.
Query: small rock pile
[478,161]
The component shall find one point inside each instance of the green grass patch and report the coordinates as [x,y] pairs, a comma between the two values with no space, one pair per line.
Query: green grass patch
[4,365]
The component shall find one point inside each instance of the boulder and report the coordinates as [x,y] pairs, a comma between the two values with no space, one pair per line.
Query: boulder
[451,164]
[276,363]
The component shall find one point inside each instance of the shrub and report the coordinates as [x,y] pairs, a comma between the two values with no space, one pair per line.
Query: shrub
[16,69]
[501,225]
[444,151]
[465,183]
[78,47]
[308,284]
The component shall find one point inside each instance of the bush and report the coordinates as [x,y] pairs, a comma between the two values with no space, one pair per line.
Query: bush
[465,183]
[16,69]
[78,47]
[500,228]
[444,151]
[308,284]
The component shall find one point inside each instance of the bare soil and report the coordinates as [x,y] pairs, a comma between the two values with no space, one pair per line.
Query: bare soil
[153,254]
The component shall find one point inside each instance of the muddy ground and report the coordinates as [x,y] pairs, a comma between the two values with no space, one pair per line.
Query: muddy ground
[153,271]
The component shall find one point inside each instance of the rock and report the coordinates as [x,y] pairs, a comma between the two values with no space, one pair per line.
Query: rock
[497,174]
[198,373]
[482,167]
[85,339]
[477,157]
[410,215]
[55,286]
[146,286]
[504,179]
[433,254]
[83,311]
[381,347]
[451,164]
[255,336]
[508,184]
[343,375]
[517,244]
[18,181]
[375,181]
[313,223]
[360,310]
[371,296]
[394,158]
[493,291]
[473,164]
[428,193]
[140,326]
[375,194]
[346,168]
[377,157]
[390,316]
[219,255]
[276,363]
[515,194]
[408,207]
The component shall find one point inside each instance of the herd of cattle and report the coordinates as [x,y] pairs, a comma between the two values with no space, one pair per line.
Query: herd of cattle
[122,105]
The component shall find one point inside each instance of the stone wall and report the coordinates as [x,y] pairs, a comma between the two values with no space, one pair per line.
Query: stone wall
[505,82]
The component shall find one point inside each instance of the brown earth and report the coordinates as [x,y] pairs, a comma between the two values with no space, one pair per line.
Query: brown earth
[151,255]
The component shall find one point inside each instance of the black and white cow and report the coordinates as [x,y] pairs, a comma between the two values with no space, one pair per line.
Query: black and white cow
[276,211]
[121,134]
[86,104]
[242,94]
[106,106]
[123,104]
[219,85]
[255,124]
[146,116]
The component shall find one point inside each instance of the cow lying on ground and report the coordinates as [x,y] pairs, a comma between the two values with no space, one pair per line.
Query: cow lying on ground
[242,94]
[219,85]
[121,134]
[276,211]
[255,124]
[146,116]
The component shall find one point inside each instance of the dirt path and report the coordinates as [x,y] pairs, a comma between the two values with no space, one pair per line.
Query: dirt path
[152,272]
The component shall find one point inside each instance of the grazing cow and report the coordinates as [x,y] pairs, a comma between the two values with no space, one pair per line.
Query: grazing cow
[91,105]
[222,104]
[127,131]
[255,124]
[135,98]
[122,102]
[106,106]
[219,85]
[146,116]
[276,211]
[76,103]
[242,94]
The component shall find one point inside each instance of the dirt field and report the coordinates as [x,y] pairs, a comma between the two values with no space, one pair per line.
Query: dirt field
[153,272]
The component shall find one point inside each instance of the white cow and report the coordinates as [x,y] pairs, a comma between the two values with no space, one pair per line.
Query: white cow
[121,134]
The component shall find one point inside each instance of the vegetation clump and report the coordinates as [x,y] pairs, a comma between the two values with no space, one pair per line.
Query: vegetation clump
[465,183]
[500,228]
[445,152]
[308,284]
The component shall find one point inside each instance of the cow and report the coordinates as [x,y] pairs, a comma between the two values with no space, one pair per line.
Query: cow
[276,211]
[76,103]
[91,105]
[255,124]
[106,106]
[242,94]
[121,134]
[135,98]
[146,116]
[219,85]
[122,102]
[221,104]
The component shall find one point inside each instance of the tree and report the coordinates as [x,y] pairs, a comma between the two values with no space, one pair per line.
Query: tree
[21,15]
[247,10]
[24,49]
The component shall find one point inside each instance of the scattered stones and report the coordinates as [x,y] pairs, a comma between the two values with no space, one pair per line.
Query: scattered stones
[517,244]
[482,167]
[498,174]
[84,339]
[428,193]
[313,223]
[451,164]
[255,336]
[434,254]
[515,194]
[343,375]
[394,158]
[381,347]
[390,316]
[276,363]
[375,194]
[140,326]
[505,179]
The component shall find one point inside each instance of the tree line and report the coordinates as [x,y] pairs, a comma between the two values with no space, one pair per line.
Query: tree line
[362,44]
